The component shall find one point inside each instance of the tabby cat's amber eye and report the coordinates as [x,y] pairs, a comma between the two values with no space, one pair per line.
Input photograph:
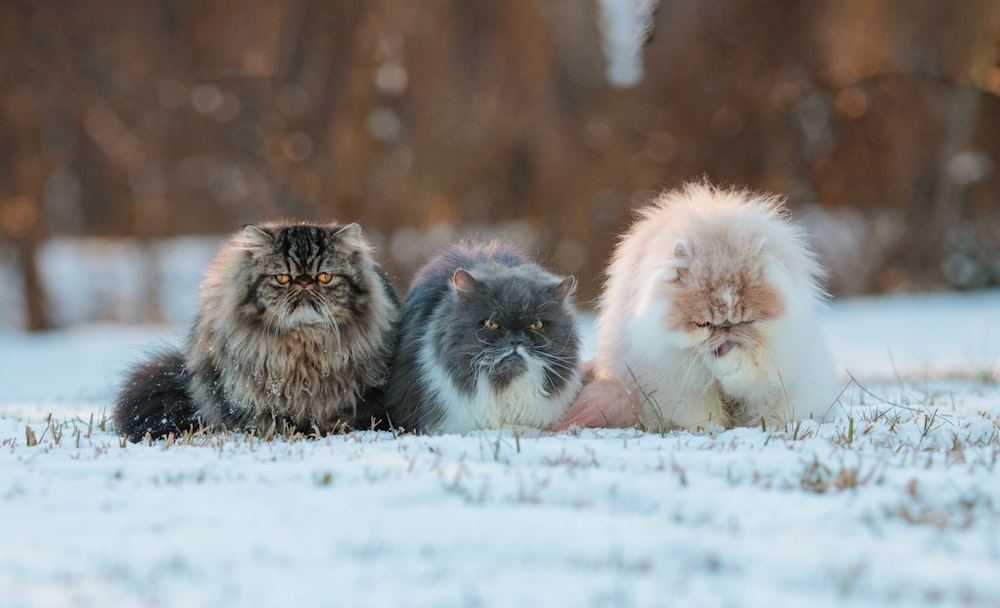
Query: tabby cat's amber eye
[535,326]
[490,324]
[282,279]
[324,277]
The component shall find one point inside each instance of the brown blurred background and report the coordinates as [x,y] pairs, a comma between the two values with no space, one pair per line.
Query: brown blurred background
[546,120]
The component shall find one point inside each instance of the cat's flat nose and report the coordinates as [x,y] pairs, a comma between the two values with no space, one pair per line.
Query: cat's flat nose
[517,338]
[303,281]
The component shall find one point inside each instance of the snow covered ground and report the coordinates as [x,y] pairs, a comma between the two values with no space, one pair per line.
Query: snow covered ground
[894,503]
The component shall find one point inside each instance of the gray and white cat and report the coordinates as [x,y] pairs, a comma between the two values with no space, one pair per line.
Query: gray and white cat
[489,339]
[295,330]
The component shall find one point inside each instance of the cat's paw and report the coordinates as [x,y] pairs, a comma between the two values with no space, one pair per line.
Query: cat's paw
[604,403]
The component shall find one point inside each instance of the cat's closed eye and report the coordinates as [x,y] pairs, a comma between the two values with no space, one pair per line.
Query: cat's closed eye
[726,325]
[491,324]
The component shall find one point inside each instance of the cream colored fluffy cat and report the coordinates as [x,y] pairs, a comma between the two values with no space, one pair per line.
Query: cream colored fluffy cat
[709,316]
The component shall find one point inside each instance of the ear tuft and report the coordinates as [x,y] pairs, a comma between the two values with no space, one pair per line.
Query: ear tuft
[564,288]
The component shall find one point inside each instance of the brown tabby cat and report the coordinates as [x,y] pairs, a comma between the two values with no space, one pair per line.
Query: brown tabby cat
[295,330]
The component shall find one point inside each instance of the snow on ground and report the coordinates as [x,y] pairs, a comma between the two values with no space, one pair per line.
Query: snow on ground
[894,503]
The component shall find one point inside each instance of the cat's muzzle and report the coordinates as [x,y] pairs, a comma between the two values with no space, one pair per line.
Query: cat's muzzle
[509,366]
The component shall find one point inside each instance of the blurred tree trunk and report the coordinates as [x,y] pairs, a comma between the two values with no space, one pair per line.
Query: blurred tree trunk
[23,168]
[36,315]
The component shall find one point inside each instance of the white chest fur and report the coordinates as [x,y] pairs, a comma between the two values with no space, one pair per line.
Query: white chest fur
[522,403]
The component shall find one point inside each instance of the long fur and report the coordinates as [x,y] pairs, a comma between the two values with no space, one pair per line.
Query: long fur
[709,316]
[303,354]
[154,398]
[453,374]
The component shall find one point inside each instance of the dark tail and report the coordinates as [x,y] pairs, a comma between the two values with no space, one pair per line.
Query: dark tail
[371,414]
[155,398]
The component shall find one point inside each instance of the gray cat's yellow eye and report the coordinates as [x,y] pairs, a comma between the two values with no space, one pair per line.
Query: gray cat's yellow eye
[535,326]
[324,277]
[490,324]
[282,279]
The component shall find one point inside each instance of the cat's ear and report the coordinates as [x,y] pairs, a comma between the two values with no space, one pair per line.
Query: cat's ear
[257,237]
[564,288]
[682,251]
[681,260]
[349,235]
[464,283]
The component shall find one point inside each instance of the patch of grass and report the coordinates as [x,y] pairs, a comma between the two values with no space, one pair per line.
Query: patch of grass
[564,459]
[392,427]
[530,495]
[930,424]
[846,437]
[878,398]
[323,479]
[681,474]
[960,515]
[54,430]
[989,377]
[820,478]
[459,487]
[496,445]
[662,427]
